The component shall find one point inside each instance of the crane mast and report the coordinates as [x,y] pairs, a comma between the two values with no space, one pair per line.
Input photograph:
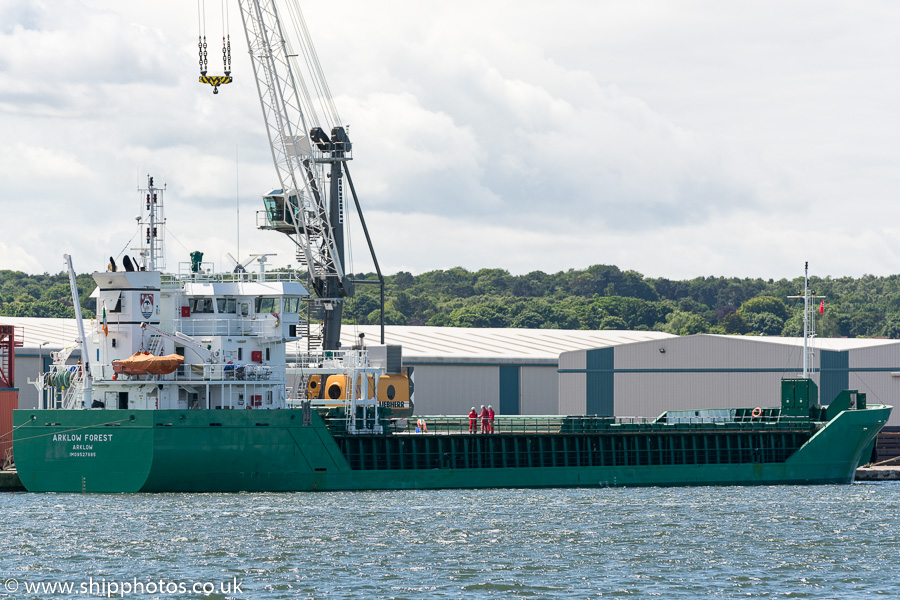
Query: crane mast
[301,209]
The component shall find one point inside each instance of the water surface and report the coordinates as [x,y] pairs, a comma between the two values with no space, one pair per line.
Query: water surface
[761,542]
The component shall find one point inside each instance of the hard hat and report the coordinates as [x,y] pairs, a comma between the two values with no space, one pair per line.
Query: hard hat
[473,408]
[491,407]
[482,406]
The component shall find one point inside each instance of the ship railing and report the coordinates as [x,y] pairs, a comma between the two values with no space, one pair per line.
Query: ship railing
[329,359]
[198,372]
[448,424]
[262,326]
[207,274]
[65,383]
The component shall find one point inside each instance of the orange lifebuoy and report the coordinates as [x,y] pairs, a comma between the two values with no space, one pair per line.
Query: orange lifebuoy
[757,412]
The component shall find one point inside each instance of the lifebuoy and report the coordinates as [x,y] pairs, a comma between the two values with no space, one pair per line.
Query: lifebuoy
[757,412]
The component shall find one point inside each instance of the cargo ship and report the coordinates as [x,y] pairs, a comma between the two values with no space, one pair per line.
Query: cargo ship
[184,385]
[184,382]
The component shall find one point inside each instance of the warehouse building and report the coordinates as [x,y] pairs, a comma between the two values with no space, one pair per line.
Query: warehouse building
[515,370]
[719,371]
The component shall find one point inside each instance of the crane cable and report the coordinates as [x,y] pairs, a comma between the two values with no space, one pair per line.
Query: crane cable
[314,67]
[226,34]
[201,35]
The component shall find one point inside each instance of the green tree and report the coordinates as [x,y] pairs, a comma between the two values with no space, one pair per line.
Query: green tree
[764,323]
[682,323]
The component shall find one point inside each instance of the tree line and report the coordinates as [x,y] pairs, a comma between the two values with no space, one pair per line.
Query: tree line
[599,297]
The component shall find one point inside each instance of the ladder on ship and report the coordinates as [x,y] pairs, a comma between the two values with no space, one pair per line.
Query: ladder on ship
[311,328]
[74,390]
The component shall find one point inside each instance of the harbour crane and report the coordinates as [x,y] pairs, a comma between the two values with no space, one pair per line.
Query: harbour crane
[311,153]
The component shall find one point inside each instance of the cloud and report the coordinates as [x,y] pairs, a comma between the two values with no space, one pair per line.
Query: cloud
[676,140]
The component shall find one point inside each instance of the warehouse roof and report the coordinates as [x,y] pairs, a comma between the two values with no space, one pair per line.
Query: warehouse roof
[453,344]
[433,343]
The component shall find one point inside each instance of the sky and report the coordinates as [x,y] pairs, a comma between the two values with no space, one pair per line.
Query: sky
[675,138]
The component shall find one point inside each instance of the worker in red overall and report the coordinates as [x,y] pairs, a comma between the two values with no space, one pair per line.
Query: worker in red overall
[473,417]
[484,419]
[490,419]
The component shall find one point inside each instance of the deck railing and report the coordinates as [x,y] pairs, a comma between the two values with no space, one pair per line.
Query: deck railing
[237,326]
[198,372]
[459,425]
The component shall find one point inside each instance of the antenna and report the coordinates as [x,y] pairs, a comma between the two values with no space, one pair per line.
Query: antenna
[153,220]
[809,322]
[237,198]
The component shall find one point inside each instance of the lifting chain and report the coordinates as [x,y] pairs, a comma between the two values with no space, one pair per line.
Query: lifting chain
[201,45]
[226,54]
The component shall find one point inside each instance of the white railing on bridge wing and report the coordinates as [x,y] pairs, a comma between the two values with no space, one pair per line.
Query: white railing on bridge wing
[207,274]
[200,326]
[349,359]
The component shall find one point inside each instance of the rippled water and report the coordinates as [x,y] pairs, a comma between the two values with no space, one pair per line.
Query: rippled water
[766,542]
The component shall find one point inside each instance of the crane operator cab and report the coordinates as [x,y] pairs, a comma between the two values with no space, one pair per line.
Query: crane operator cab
[281,209]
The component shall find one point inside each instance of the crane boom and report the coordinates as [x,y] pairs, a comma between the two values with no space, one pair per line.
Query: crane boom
[299,154]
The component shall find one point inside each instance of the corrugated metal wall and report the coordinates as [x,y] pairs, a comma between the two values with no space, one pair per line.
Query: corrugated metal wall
[649,394]
[453,390]
[872,371]
[572,382]
[539,391]
[834,376]
[509,391]
[680,373]
[8,403]
[27,368]
[701,372]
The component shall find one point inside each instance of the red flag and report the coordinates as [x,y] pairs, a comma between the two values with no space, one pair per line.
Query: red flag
[822,308]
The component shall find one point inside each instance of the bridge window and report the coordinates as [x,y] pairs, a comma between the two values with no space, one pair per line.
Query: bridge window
[292,305]
[265,305]
[201,305]
[226,305]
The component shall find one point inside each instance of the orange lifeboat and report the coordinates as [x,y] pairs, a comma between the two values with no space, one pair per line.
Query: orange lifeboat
[144,363]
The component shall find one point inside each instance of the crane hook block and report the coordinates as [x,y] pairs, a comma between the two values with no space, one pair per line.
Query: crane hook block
[216,81]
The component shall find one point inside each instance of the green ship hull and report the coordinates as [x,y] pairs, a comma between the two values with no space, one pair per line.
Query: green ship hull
[232,451]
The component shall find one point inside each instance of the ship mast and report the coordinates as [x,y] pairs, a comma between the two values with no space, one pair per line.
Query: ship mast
[809,322]
[153,220]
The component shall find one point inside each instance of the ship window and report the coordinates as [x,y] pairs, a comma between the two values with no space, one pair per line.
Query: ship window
[226,305]
[118,307]
[201,305]
[245,309]
[265,305]
[291,305]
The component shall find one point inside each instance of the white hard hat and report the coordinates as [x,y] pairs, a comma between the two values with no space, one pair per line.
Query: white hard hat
[473,408]
[491,407]
[482,406]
